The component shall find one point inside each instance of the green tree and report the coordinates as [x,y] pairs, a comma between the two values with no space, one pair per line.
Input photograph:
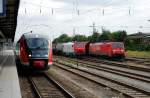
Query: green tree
[119,36]
[79,38]
[129,44]
[89,38]
[55,40]
[94,37]
[105,36]
[62,38]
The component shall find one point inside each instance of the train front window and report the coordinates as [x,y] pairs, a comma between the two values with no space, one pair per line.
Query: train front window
[37,43]
[117,45]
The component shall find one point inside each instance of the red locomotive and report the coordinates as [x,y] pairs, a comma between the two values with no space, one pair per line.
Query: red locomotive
[81,48]
[109,49]
[34,51]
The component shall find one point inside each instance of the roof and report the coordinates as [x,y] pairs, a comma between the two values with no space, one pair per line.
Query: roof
[8,23]
[139,35]
[81,42]
[68,43]
[99,43]
[33,35]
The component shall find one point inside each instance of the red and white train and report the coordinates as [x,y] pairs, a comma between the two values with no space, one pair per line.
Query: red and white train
[109,49]
[34,51]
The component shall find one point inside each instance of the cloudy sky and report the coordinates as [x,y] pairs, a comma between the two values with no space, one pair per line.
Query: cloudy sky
[54,17]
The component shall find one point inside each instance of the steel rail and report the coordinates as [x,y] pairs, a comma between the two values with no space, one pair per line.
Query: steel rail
[68,94]
[114,71]
[50,80]
[34,88]
[114,81]
[147,69]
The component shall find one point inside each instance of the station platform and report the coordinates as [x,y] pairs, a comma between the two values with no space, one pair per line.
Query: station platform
[9,83]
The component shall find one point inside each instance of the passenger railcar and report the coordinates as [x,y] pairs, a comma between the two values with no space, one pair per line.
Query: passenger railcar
[109,49]
[34,51]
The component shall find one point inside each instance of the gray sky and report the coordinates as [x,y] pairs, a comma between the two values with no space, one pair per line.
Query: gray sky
[37,15]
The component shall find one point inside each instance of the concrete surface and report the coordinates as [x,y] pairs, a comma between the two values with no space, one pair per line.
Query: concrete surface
[9,83]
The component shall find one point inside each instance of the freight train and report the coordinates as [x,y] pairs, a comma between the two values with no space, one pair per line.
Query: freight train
[33,51]
[107,49]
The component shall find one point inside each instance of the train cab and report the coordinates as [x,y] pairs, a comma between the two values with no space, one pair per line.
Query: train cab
[34,51]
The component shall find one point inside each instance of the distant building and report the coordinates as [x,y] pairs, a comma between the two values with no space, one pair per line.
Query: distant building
[142,38]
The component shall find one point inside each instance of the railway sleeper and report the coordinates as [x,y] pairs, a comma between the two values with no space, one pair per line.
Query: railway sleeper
[129,93]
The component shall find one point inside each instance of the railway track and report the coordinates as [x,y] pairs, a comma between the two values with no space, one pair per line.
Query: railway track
[137,59]
[125,89]
[141,62]
[111,69]
[111,63]
[125,72]
[118,70]
[138,76]
[115,70]
[25,87]
[144,61]
[43,86]
[120,64]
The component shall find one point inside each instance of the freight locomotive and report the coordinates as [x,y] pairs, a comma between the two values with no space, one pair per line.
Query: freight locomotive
[107,49]
[34,51]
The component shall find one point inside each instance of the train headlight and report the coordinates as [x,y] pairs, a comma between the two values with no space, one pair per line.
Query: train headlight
[122,50]
[46,55]
[114,50]
[30,55]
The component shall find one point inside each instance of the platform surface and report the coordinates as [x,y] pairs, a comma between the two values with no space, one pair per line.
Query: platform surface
[9,83]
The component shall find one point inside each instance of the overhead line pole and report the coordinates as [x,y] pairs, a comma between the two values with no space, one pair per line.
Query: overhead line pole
[94,27]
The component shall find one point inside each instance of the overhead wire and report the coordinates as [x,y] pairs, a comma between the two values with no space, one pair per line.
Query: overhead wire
[81,11]
[77,9]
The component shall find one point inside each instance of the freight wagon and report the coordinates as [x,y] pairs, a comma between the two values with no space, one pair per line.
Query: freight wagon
[68,49]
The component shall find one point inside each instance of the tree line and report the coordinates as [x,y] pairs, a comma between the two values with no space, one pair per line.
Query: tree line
[105,36]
